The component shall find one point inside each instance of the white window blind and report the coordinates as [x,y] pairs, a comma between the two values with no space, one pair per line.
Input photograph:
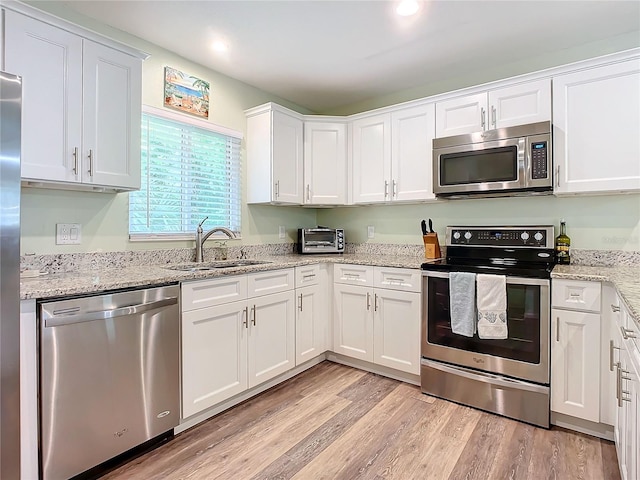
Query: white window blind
[189,172]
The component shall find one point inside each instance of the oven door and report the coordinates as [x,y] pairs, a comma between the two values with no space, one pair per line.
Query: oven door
[480,168]
[524,354]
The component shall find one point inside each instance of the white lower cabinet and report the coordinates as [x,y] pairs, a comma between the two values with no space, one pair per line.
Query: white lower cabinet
[378,325]
[271,336]
[229,347]
[575,363]
[575,349]
[214,355]
[311,320]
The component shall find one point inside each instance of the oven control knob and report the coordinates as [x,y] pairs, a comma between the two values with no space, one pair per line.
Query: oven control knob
[538,236]
[456,235]
[524,236]
[467,235]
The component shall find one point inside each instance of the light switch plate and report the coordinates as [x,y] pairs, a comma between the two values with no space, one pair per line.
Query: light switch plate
[281,232]
[370,231]
[68,234]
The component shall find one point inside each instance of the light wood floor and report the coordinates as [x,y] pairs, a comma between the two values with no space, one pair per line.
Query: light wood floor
[336,422]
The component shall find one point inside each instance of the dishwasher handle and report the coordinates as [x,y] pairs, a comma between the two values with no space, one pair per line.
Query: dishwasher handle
[57,321]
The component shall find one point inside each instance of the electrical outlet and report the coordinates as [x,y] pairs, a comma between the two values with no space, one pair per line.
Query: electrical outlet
[370,231]
[68,234]
[281,232]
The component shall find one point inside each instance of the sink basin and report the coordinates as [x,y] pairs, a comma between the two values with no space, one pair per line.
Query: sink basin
[199,267]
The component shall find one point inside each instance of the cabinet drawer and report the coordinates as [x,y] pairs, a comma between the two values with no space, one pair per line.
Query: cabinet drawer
[397,278]
[576,295]
[307,275]
[273,281]
[353,274]
[206,293]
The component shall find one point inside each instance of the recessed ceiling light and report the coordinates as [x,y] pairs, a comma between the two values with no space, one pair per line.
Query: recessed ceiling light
[220,46]
[407,8]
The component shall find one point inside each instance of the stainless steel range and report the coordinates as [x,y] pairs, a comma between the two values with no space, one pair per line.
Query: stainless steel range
[510,375]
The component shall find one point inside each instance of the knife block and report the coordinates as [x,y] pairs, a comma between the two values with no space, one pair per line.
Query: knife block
[431,246]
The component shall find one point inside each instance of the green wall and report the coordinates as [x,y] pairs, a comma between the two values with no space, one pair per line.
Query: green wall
[596,222]
[607,222]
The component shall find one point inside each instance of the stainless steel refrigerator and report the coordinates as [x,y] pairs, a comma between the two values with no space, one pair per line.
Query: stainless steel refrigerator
[10,119]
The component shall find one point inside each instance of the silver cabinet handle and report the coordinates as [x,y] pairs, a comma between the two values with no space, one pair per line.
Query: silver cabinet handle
[624,376]
[627,333]
[482,119]
[277,192]
[611,349]
[615,308]
[90,163]
[619,385]
[394,189]
[300,303]
[386,189]
[375,302]
[75,160]
[311,275]
[253,309]
[493,115]
[308,193]
[557,329]
[558,176]
[368,301]
[245,316]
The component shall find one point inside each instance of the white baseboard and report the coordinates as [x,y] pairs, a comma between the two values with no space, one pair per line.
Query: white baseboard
[374,368]
[599,430]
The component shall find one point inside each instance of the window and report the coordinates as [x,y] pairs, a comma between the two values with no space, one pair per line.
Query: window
[190,170]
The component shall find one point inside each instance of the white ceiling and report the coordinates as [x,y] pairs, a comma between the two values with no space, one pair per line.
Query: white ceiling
[326,54]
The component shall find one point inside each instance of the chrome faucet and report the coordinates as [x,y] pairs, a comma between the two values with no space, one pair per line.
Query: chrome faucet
[200,238]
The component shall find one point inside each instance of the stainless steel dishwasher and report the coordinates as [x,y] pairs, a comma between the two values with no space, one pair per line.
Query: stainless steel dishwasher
[109,376]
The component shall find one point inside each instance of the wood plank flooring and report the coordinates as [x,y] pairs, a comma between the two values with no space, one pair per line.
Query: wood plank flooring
[336,422]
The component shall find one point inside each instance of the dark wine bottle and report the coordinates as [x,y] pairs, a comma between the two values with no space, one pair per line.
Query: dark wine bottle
[563,242]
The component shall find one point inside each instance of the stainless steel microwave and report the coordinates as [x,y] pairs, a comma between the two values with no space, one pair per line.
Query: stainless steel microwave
[320,240]
[505,161]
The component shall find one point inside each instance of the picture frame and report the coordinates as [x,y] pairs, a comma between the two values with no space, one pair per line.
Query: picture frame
[186,93]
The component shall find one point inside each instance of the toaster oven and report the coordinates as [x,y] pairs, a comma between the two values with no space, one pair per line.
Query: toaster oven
[320,240]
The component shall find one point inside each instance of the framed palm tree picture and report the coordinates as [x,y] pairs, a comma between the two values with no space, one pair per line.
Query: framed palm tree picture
[186,93]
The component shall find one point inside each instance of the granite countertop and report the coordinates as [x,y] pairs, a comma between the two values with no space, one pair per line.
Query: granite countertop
[114,278]
[625,279]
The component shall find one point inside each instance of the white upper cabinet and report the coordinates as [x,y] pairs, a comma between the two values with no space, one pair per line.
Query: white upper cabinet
[596,120]
[392,156]
[508,106]
[325,163]
[371,138]
[274,155]
[81,106]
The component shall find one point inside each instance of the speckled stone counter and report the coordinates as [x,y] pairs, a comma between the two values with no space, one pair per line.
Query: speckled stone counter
[99,278]
[625,279]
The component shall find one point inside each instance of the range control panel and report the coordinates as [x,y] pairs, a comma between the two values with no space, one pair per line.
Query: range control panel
[533,236]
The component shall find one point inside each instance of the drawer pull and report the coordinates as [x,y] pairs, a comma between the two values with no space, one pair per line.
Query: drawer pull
[615,308]
[300,303]
[253,309]
[627,333]
[311,275]
[368,301]
[245,315]
[375,302]
[394,280]
[575,295]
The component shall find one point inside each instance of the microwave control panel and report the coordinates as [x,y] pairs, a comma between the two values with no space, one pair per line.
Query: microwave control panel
[539,160]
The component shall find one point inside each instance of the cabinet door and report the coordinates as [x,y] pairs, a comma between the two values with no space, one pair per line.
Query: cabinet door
[520,104]
[325,163]
[50,62]
[461,115]
[575,364]
[311,323]
[412,132]
[372,159]
[112,86]
[596,121]
[396,330]
[353,321]
[271,336]
[214,355]
[286,158]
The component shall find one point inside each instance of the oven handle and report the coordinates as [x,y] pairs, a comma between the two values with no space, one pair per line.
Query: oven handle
[511,280]
[485,377]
